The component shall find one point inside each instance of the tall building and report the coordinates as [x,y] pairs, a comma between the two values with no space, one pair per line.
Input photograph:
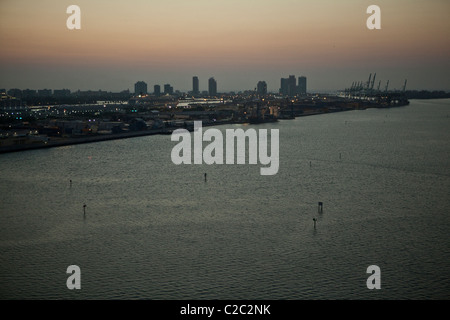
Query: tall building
[292,86]
[288,86]
[301,85]
[261,88]
[212,87]
[284,87]
[168,89]
[157,90]
[195,86]
[140,87]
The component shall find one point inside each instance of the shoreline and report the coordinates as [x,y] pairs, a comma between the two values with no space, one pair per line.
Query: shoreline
[73,141]
[61,142]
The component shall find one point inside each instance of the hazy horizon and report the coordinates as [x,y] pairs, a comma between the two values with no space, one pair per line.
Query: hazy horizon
[237,42]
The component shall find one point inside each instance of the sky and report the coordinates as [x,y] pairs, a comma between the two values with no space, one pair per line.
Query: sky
[238,42]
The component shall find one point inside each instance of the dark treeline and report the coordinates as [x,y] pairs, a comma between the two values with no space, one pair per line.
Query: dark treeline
[69,100]
[31,97]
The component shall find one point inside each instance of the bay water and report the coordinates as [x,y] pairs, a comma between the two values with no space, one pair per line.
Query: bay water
[156,230]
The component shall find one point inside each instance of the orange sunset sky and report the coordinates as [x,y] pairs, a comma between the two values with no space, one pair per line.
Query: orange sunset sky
[237,42]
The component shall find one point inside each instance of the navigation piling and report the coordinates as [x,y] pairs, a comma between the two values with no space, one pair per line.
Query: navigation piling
[314,219]
[205,177]
[320,207]
[84,210]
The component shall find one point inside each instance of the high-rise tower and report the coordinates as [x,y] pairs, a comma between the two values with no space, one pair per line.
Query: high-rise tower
[212,87]
[195,86]
[140,87]
[261,88]
[302,85]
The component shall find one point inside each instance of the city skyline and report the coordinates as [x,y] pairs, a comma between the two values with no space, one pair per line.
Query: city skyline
[141,88]
[237,43]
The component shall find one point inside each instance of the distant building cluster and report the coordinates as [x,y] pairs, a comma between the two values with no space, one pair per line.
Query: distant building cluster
[168,89]
[29,93]
[58,93]
[16,98]
[140,88]
[289,86]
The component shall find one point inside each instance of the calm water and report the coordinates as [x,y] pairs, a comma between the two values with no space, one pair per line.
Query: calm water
[154,230]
